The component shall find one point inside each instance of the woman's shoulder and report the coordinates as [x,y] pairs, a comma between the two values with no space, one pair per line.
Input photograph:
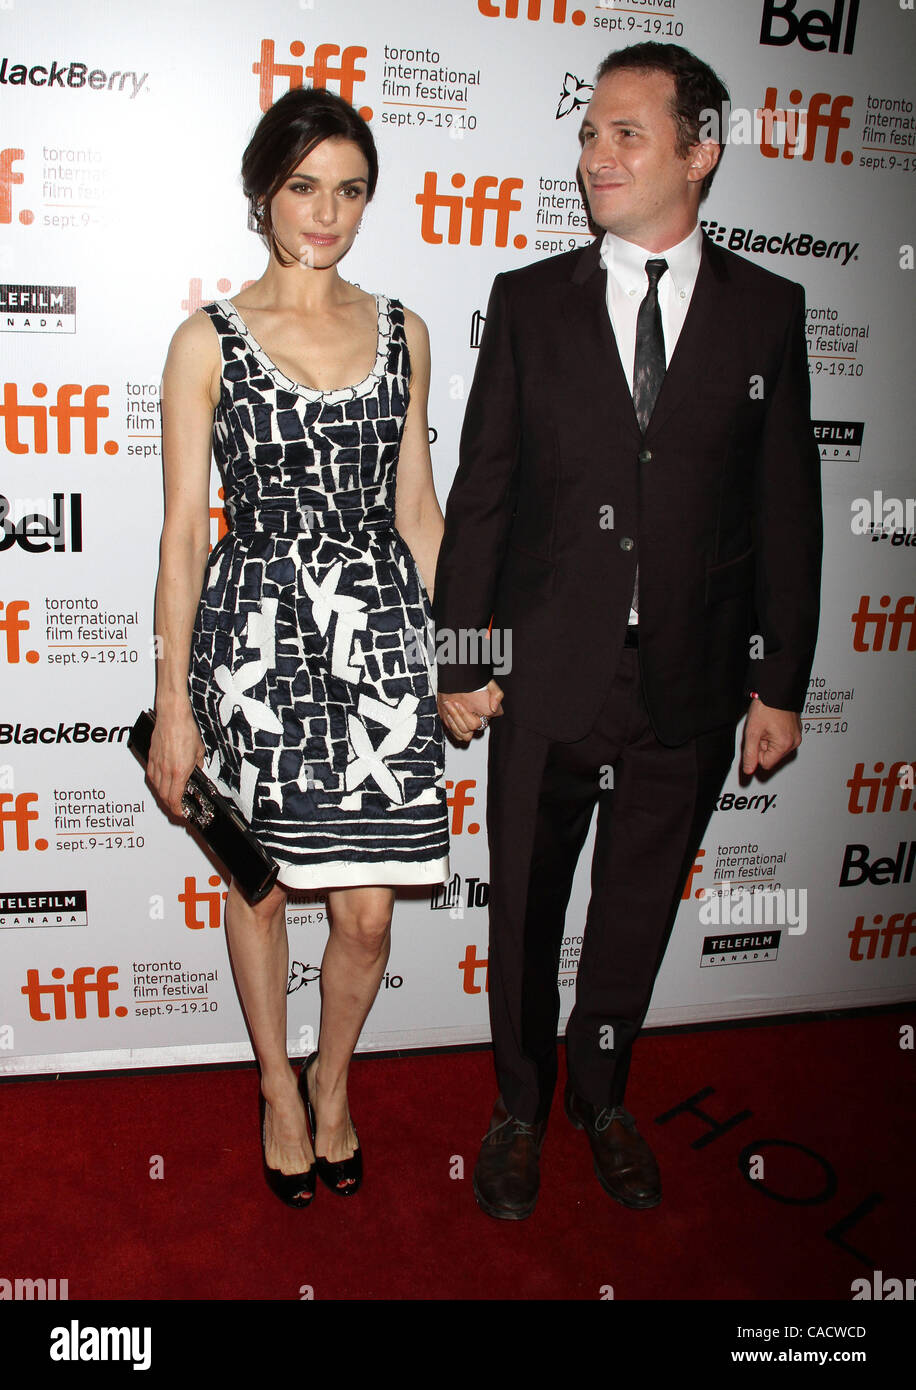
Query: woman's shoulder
[194,342]
[414,326]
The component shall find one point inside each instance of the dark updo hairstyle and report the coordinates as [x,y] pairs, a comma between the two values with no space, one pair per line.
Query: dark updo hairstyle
[285,134]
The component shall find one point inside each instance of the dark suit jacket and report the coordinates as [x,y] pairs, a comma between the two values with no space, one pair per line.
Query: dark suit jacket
[719,502]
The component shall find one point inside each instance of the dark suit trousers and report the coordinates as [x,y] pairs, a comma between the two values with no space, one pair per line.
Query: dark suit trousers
[541,797]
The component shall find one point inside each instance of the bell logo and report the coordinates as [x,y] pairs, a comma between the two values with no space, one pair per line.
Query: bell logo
[102,987]
[345,73]
[815,30]
[11,624]
[510,11]
[865,618]
[479,203]
[800,127]
[89,413]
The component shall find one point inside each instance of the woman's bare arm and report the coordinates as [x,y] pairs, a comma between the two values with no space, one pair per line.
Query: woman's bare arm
[190,386]
[418,517]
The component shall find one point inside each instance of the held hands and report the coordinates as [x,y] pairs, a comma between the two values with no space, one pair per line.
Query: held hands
[176,748]
[461,714]
[769,735]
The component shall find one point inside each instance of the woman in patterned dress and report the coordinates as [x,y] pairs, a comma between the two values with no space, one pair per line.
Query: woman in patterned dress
[300,679]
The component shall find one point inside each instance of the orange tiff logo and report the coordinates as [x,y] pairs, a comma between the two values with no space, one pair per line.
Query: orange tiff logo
[193,899]
[69,408]
[510,11]
[801,128]
[8,177]
[882,628]
[323,69]
[12,622]
[86,980]
[479,203]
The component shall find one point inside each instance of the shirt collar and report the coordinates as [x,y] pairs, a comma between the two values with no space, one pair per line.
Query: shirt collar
[627,262]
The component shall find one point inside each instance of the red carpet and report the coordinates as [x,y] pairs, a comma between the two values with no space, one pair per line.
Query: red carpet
[830,1105]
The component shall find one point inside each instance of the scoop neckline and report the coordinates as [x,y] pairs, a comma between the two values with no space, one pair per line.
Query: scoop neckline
[359,388]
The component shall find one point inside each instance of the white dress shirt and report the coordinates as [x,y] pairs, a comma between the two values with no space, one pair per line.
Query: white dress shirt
[627,285]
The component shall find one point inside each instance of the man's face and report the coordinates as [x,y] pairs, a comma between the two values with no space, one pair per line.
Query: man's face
[638,186]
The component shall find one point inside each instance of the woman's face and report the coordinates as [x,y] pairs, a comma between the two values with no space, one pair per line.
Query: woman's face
[317,210]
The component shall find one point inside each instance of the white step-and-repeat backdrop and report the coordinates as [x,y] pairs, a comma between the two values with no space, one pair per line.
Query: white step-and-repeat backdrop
[121,212]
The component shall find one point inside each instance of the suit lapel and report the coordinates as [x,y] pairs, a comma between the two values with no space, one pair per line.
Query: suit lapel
[585,308]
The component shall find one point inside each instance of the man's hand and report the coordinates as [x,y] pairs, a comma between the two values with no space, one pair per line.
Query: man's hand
[769,734]
[461,713]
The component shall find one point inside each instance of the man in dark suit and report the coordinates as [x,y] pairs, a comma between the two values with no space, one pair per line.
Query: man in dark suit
[638,501]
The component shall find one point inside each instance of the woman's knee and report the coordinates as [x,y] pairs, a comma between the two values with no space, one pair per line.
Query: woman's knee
[261,914]
[365,929]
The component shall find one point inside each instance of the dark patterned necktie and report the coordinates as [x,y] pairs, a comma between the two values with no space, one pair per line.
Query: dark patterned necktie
[649,359]
[648,363]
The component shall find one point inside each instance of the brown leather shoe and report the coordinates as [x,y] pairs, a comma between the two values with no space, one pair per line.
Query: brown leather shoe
[624,1163]
[506,1177]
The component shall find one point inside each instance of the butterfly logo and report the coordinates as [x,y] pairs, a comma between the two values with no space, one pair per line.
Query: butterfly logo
[575,94]
[300,975]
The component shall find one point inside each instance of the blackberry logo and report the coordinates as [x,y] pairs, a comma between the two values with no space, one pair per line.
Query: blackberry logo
[749,239]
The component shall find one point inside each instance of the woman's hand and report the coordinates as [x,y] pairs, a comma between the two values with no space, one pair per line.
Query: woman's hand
[461,714]
[176,748]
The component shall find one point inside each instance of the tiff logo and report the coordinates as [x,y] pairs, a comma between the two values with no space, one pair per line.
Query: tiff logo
[11,624]
[345,73]
[459,800]
[469,967]
[904,615]
[900,926]
[533,11]
[193,898]
[898,778]
[801,127]
[479,203]
[80,987]
[196,300]
[18,809]
[66,410]
[8,177]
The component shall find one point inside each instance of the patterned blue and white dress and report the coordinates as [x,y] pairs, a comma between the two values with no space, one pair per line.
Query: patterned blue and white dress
[311,674]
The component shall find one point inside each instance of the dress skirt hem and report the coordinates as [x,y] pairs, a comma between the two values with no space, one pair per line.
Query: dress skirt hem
[342,873]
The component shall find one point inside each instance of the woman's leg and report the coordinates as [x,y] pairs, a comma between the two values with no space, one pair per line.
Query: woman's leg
[351,971]
[260,959]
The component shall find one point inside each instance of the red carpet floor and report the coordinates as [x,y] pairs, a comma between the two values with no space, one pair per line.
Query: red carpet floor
[830,1114]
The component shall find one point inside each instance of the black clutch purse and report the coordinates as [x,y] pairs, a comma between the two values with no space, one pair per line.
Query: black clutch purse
[218,821]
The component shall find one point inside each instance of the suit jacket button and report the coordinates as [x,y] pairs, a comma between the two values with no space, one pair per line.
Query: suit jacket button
[645,456]
[626,543]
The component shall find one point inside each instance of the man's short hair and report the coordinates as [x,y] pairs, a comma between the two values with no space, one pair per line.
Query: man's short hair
[700,97]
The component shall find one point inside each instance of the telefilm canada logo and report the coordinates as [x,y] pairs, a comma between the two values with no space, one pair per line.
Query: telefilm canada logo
[61,907]
[752,240]
[37,308]
[839,441]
